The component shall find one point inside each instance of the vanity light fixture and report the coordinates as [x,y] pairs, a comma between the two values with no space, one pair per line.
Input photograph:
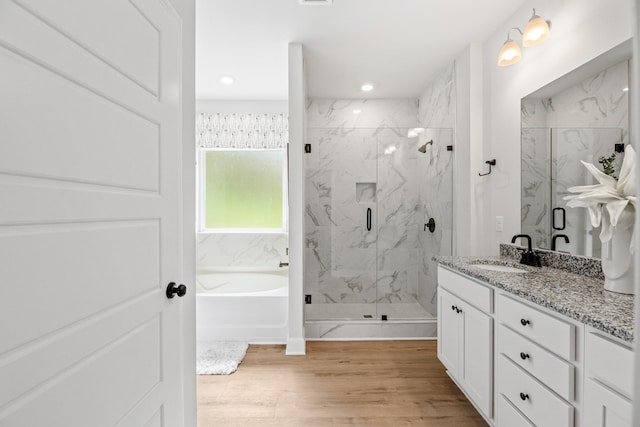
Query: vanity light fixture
[510,52]
[536,31]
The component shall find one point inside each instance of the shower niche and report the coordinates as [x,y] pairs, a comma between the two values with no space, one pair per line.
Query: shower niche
[369,194]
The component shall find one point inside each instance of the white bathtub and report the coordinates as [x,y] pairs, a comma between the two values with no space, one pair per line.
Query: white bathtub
[242,305]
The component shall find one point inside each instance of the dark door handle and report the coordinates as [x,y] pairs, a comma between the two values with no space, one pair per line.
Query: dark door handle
[563,217]
[524,322]
[524,396]
[368,219]
[524,356]
[173,290]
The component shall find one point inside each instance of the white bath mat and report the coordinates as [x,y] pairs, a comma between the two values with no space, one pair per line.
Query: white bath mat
[219,357]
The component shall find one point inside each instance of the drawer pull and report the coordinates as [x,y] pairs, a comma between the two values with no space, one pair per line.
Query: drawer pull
[524,396]
[524,356]
[524,322]
[453,307]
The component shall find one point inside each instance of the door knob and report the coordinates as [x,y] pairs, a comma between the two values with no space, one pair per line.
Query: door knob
[173,290]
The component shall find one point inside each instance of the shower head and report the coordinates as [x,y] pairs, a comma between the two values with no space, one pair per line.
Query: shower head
[423,148]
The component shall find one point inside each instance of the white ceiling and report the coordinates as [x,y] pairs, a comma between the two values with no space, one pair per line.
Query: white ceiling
[397,45]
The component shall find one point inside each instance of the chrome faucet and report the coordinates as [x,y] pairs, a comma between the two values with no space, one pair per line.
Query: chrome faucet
[553,240]
[529,257]
[283,264]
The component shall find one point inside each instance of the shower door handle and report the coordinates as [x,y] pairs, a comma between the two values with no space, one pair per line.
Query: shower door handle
[368,219]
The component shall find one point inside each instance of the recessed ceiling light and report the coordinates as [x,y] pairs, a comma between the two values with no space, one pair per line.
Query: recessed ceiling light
[626,89]
[316,2]
[227,80]
[367,87]
[357,111]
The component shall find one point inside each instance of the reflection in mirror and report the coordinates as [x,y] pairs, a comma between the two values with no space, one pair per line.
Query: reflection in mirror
[581,116]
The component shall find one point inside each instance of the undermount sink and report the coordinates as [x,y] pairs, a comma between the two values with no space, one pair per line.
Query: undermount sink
[499,268]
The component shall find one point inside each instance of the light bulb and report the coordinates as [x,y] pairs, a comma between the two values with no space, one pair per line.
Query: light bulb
[536,31]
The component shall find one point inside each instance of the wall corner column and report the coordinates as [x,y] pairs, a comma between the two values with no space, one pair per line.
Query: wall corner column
[296,344]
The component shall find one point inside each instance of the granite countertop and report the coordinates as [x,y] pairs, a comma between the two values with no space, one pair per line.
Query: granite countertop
[576,296]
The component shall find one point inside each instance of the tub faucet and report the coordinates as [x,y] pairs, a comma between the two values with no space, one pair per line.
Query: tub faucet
[529,257]
[283,264]
[553,240]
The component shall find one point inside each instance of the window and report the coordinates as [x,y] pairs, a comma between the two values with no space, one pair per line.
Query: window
[242,190]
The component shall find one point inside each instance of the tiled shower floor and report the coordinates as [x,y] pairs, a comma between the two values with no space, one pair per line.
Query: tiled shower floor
[394,311]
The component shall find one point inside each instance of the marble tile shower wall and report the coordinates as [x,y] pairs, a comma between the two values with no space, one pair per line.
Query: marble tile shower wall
[436,196]
[583,121]
[252,251]
[364,161]
[361,161]
[436,113]
[438,101]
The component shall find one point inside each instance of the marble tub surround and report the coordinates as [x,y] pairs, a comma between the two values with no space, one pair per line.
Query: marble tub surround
[576,296]
[259,250]
[576,264]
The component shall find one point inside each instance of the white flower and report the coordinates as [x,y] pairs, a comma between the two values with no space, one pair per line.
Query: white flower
[610,203]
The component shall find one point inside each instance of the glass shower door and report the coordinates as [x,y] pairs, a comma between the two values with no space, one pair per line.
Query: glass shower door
[415,178]
[341,237]
[370,198]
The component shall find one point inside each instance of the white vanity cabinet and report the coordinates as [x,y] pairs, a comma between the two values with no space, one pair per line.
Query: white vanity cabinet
[609,381]
[535,370]
[465,336]
[523,364]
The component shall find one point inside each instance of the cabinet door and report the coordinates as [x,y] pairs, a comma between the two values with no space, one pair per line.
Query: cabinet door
[449,326]
[605,408]
[476,373]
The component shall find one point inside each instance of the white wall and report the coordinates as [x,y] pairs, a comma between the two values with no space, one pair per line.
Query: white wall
[297,96]
[581,30]
[467,150]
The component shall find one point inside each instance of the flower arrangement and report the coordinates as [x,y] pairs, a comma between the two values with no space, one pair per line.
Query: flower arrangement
[612,202]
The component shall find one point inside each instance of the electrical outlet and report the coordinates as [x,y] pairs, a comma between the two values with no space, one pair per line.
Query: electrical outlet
[499,223]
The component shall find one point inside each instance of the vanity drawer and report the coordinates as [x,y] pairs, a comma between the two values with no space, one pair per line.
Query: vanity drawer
[534,400]
[550,332]
[473,292]
[508,415]
[609,362]
[551,370]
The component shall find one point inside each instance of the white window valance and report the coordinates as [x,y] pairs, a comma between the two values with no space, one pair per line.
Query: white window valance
[242,131]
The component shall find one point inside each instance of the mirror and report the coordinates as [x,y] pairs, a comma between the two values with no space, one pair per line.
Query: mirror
[584,115]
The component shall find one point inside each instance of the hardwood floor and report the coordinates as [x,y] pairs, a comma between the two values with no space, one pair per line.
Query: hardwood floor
[371,383]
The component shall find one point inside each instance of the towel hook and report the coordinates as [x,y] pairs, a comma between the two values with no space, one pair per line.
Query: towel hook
[491,162]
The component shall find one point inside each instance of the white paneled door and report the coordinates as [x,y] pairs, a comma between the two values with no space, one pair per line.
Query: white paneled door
[90,215]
